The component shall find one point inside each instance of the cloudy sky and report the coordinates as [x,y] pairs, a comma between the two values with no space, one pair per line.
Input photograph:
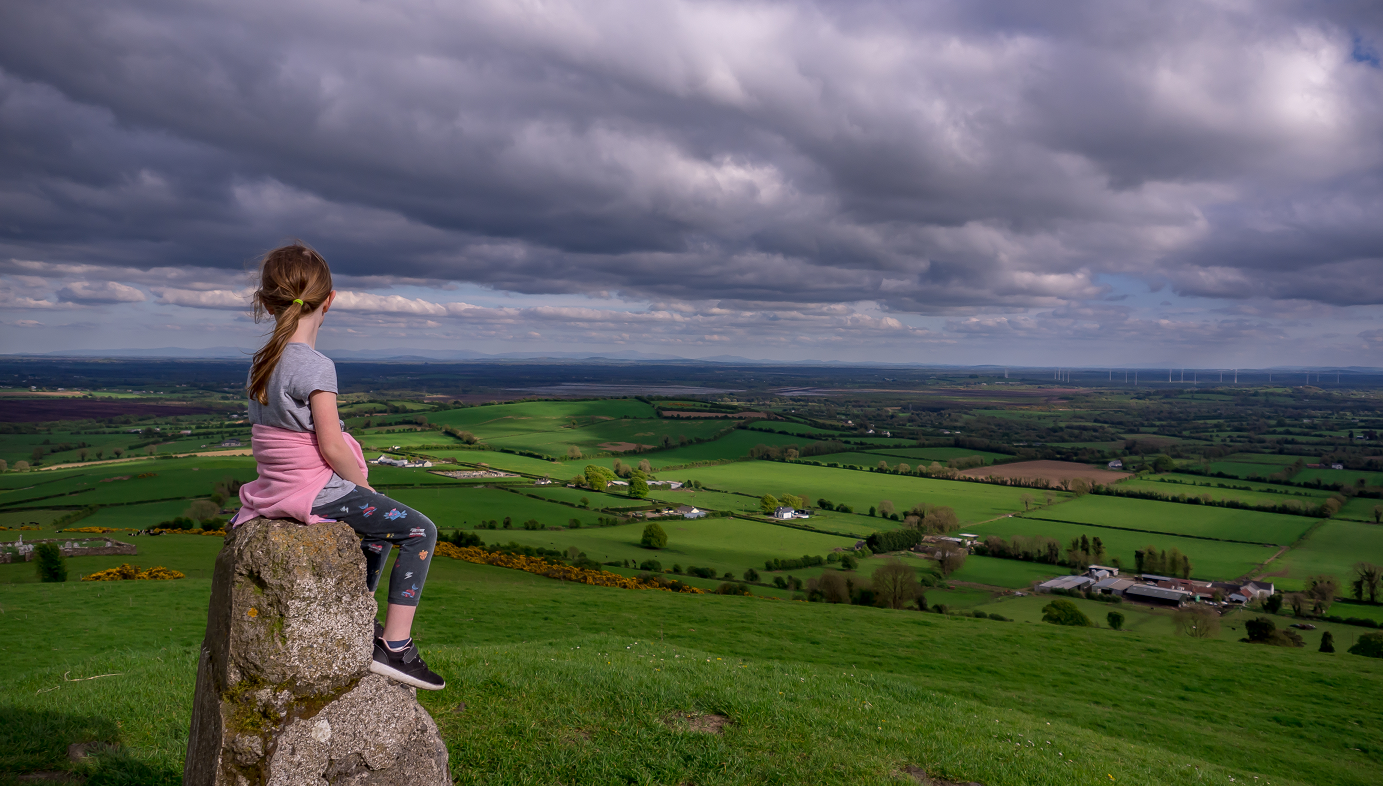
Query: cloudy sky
[1076,183]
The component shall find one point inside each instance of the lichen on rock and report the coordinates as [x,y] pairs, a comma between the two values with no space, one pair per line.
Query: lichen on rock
[284,694]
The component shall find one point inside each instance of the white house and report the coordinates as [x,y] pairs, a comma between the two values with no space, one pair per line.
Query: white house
[689,512]
[1116,464]
[784,512]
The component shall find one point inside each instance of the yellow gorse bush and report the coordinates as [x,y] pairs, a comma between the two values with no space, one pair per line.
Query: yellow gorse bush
[542,567]
[128,572]
[93,530]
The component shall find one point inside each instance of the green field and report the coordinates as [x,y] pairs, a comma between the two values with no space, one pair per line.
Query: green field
[862,490]
[172,478]
[191,554]
[816,693]
[1005,572]
[1335,476]
[463,507]
[1175,518]
[1258,494]
[1209,559]
[17,518]
[726,544]
[1358,509]
[942,455]
[1332,549]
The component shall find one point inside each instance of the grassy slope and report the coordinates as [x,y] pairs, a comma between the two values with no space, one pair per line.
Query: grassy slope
[1130,705]
[1175,518]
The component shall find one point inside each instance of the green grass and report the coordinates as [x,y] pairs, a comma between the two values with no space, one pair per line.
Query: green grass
[1359,509]
[182,478]
[191,554]
[509,462]
[1348,476]
[1175,518]
[1332,549]
[942,455]
[16,518]
[1209,559]
[816,693]
[861,490]
[464,507]
[1005,572]
[1192,486]
[726,544]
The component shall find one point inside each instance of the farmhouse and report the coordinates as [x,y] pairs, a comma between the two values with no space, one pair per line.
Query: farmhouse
[689,512]
[784,512]
[230,443]
[1116,464]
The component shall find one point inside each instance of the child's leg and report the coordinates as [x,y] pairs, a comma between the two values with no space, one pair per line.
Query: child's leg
[381,523]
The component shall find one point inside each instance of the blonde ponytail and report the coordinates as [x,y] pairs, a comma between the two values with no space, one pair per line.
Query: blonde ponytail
[293,281]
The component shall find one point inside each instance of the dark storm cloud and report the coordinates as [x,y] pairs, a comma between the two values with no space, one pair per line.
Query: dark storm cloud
[929,157]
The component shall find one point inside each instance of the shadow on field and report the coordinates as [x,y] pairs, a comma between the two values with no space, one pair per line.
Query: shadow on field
[48,747]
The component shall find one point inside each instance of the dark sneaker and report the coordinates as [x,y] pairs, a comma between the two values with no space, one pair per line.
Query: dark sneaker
[405,666]
[379,629]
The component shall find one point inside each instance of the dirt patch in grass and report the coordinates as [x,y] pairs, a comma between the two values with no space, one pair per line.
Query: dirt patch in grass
[920,776]
[697,722]
[620,447]
[1052,471]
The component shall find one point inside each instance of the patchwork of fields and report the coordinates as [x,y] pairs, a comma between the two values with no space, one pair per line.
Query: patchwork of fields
[1173,518]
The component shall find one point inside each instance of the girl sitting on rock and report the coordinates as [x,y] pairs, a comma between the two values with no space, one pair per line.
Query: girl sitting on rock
[311,470]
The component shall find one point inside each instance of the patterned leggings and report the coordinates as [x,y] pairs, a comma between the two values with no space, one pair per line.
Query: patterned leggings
[382,524]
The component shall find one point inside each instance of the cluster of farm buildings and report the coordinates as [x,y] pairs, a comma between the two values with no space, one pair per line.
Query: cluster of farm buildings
[1158,590]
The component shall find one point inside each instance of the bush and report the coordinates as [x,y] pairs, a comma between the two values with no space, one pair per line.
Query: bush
[532,524]
[1115,620]
[654,537]
[651,564]
[780,582]
[1262,630]
[1064,612]
[1000,618]
[751,575]
[50,562]
[701,573]
[1327,642]
[463,539]
[849,562]
[732,588]
[1370,645]
[573,523]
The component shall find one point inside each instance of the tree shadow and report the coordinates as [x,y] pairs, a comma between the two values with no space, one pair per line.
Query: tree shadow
[35,745]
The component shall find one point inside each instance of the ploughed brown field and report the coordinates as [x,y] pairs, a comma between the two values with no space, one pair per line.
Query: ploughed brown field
[37,410]
[1054,471]
[620,447]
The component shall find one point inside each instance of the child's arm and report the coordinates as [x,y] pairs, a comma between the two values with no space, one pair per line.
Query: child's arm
[327,424]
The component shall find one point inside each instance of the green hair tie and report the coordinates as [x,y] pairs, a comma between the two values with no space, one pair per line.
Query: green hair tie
[299,301]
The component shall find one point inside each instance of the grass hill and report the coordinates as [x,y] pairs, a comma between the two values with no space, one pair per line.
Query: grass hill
[567,683]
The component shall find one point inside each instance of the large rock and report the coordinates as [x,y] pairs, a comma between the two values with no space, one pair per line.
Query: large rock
[284,694]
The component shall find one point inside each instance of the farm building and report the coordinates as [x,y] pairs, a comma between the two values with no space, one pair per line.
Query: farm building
[1098,572]
[784,512]
[1065,583]
[230,443]
[1116,464]
[393,462]
[689,512]
[1112,585]
[1148,593]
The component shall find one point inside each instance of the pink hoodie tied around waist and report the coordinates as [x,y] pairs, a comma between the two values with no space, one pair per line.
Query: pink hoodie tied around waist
[292,472]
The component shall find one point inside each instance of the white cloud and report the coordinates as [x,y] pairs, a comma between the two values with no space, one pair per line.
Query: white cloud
[95,292]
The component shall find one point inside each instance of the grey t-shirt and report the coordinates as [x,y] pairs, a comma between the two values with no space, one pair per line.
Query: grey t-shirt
[300,371]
